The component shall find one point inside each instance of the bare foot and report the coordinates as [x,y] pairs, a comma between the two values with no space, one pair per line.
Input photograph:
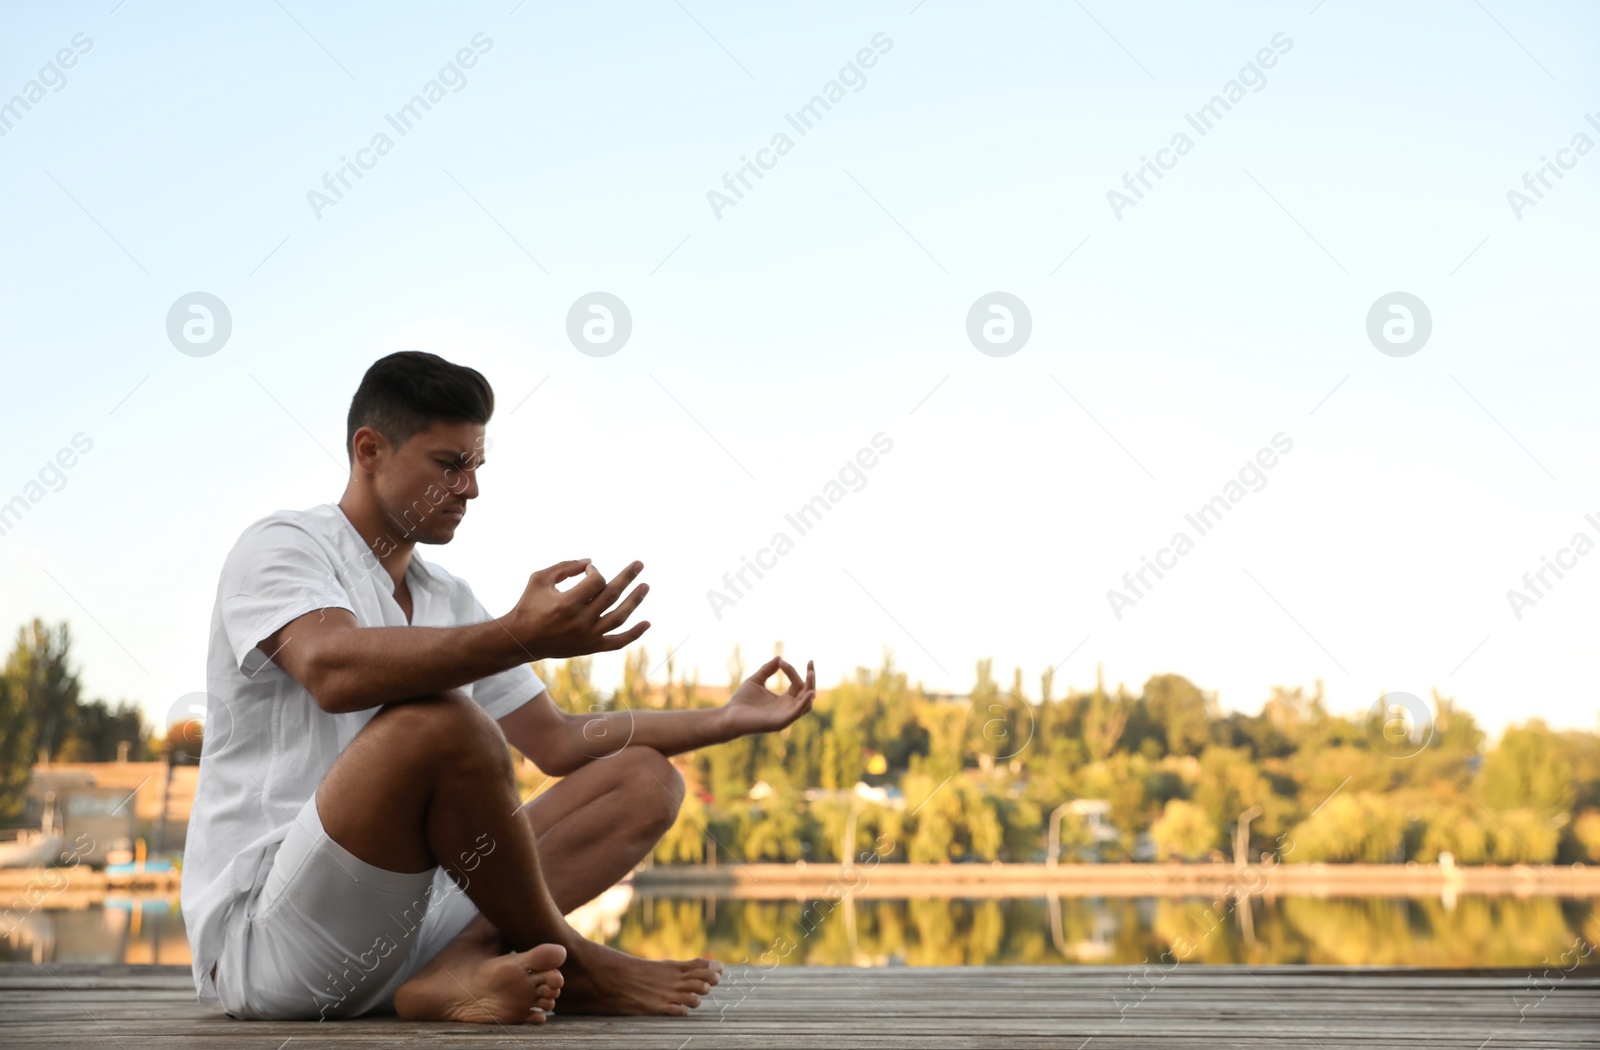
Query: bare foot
[603,980]
[472,980]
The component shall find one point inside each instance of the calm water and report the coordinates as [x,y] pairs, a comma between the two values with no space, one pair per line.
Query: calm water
[1468,931]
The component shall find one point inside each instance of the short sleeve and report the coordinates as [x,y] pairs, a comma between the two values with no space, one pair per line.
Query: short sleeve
[274,574]
[500,694]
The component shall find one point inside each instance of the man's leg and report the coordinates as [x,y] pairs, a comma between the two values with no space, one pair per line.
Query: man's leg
[595,825]
[429,782]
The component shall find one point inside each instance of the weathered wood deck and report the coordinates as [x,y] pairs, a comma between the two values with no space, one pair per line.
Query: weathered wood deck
[1061,1008]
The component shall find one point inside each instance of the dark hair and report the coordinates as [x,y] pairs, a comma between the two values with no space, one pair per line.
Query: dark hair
[402,394]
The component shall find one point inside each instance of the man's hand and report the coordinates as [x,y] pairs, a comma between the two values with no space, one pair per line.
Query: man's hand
[577,621]
[754,708]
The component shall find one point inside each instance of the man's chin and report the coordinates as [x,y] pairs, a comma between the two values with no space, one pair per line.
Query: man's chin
[439,532]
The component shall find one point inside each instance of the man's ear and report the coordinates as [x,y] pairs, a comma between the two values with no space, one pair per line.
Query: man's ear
[367,443]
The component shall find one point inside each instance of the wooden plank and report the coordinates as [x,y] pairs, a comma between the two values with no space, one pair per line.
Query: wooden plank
[936,1008]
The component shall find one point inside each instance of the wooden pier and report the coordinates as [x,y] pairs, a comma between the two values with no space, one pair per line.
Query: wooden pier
[1059,1008]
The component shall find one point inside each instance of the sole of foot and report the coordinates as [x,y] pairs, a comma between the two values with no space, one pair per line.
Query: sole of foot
[474,983]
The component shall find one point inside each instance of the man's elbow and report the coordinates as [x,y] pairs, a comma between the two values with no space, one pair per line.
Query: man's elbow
[330,696]
[335,701]
[330,685]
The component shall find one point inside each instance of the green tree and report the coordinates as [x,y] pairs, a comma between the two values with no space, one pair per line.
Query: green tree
[1586,830]
[1353,826]
[773,829]
[1527,770]
[568,683]
[1523,836]
[849,710]
[1104,722]
[1120,780]
[1454,829]
[39,671]
[729,773]
[100,731]
[983,728]
[1183,831]
[1182,711]
[685,841]
[16,750]
[946,724]
[1229,783]
[955,821]
[635,691]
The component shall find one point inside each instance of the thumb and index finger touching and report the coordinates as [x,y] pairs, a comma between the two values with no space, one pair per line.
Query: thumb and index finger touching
[585,590]
[796,681]
[565,570]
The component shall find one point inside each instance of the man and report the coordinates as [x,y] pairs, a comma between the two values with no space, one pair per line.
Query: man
[357,842]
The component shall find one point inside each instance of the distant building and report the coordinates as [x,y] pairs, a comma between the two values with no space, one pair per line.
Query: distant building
[1096,816]
[108,801]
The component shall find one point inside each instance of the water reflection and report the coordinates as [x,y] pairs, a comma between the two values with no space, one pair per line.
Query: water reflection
[135,930]
[1473,931]
[1476,931]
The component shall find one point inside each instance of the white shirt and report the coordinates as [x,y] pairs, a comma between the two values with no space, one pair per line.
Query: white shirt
[267,743]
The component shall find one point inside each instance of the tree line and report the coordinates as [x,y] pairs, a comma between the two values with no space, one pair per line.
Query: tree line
[979,776]
[982,776]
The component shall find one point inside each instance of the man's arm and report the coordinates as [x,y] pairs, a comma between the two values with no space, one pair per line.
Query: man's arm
[560,742]
[346,667]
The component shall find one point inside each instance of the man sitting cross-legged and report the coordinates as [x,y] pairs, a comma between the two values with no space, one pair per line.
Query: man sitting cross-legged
[357,843]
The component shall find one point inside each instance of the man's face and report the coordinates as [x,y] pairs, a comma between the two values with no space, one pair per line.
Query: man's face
[424,485]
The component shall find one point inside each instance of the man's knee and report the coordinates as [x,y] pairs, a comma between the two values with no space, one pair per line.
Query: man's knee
[448,730]
[656,784]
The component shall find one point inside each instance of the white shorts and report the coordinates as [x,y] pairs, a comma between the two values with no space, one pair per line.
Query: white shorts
[330,936]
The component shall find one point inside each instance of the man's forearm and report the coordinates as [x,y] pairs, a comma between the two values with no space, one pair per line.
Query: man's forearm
[595,735]
[356,669]
[562,742]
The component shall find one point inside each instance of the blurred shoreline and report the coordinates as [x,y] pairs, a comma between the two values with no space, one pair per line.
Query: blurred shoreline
[68,887]
[1117,880]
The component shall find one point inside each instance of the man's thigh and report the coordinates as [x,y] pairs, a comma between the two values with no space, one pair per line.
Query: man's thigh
[633,768]
[375,799]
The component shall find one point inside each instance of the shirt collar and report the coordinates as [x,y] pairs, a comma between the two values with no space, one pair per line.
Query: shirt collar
[354,540]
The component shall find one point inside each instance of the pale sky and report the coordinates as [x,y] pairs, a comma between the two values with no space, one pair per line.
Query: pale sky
[773,338]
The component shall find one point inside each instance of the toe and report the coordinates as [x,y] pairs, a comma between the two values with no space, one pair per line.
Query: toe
[544,957]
